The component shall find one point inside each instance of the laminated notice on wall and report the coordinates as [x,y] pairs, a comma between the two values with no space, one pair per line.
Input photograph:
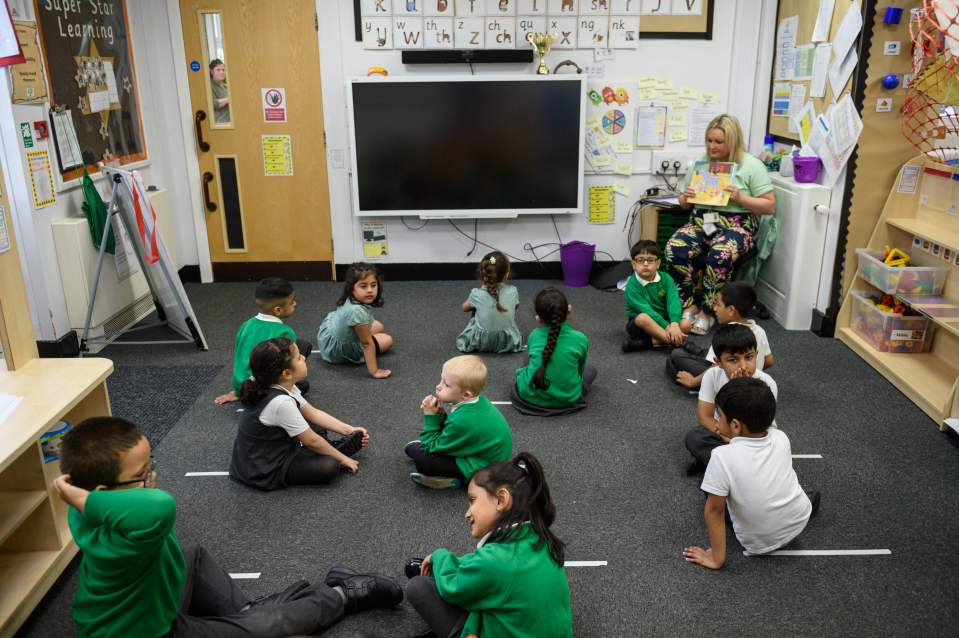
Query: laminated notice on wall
[602,205]
[41,178]
[277,155]
[4,234]
[374,240]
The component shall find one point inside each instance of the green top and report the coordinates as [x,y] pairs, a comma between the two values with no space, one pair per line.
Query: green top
[475,434]
[511,588]
[490,330]
[658,299]
[221,114]
[132,572]
[254,331]
[564,373]
[337,340]
[752,179]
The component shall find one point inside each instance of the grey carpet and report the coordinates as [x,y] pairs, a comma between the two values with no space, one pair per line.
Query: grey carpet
[888,480]
[155,397]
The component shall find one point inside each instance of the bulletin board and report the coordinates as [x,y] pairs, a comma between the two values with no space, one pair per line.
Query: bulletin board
[807,10]
[89,66]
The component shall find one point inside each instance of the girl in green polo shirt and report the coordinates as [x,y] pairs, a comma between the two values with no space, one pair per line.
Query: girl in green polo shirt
[556,377]
[513,585]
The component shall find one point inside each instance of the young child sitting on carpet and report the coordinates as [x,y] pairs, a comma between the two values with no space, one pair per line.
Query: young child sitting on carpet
[452,446]
[734,304]
[276,301]
[653,308]
[350,334]
[134,579]
[735,348]
[493,325]
[277,443]
[754,476]
[514,583]
[556,377]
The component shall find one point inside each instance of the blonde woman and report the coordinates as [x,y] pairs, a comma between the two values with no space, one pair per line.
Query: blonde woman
[723,233]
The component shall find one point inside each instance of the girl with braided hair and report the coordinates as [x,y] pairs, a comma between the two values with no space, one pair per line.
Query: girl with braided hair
[514,583]
[281,439]
[493,325]
[556,377]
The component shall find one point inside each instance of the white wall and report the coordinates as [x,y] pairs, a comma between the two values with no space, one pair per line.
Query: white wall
[727,65]
[153,46]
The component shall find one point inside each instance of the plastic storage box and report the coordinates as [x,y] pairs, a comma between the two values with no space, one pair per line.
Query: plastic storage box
[914,280]
[889,331]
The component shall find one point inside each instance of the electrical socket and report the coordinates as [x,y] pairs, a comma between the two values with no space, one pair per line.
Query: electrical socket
[676,162]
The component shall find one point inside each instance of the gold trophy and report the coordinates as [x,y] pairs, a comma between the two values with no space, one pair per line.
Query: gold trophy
[541,42]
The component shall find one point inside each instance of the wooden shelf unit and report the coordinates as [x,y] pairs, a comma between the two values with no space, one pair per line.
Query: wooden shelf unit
[930,379]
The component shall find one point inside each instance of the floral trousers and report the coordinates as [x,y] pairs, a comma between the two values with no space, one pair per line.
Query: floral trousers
[734,237]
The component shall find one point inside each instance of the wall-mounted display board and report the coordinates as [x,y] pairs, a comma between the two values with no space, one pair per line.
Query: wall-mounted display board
[503,24]
[89,65]
[806,66]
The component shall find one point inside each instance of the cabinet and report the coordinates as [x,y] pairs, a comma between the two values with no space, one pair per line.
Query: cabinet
[35,542]
[923,204]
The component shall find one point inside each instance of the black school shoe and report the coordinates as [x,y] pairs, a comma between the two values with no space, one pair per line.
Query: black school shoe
[634,345]
[413,567]
[350,445]
[814,498]
[364,591]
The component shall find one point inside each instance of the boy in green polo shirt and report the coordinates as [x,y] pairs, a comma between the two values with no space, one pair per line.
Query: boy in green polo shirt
[276,301]
[452,446]
[135,581]
[654,311]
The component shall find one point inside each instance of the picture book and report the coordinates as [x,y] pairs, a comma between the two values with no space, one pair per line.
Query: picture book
[709,180]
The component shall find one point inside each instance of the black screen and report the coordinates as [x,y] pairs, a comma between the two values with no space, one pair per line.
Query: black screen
[467,145]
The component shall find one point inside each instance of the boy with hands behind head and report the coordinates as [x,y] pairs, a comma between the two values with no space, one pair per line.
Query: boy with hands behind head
[135,580]
[753,475]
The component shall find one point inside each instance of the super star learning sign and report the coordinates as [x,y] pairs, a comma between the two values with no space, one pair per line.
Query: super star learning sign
[89,64]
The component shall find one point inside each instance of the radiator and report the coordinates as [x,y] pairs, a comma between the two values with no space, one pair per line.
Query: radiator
[119,304]
[789,282]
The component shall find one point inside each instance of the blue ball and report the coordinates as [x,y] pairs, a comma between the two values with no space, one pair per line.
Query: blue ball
[890,81]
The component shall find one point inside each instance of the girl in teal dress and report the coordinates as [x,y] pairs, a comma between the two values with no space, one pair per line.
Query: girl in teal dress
[350,334]
[493,325]
[514,584]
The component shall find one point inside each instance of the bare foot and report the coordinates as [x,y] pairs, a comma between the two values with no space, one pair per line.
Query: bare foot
[685,379]
[229,397]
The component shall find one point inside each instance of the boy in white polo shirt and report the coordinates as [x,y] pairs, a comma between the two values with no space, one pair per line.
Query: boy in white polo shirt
[754,476]
[736,356]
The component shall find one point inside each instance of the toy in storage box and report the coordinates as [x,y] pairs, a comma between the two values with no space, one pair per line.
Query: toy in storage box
[889,331]
[900,280]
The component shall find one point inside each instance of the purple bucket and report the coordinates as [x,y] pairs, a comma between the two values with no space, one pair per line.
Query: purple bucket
[806,169]
[576,258]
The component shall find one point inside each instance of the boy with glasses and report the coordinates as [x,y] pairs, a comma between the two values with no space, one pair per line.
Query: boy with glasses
[653,307]
[135,581]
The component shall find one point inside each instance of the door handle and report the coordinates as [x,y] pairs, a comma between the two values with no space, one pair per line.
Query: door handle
[199,117]
[207,178]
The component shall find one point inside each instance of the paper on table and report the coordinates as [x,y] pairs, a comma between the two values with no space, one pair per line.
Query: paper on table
[797,97]
[820,70]
[823,21]
[8,403]
[786,47]
[840,71]
[846,123]
[848,31]
[651,126]
[804,61]
[111,82]
[698,121]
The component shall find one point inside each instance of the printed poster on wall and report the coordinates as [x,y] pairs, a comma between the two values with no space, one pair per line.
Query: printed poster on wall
[612,104]
[277,155]
[29,85]
[41,178]
[4,234]
[273,101]
[374,240]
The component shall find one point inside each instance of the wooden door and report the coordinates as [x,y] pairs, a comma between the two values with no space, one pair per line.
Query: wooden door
[262,159]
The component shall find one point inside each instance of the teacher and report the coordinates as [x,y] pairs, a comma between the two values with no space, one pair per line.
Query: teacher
[724,233]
